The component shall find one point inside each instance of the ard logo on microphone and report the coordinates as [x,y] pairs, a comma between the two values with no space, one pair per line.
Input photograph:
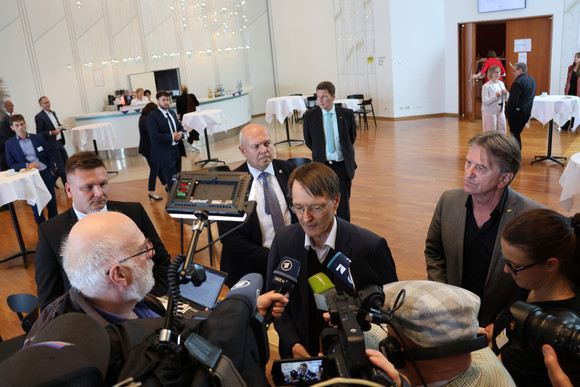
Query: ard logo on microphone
[286,265]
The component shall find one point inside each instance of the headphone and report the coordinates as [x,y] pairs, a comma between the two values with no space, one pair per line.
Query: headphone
[397,355]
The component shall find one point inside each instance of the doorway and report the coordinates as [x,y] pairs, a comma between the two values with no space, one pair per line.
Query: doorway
[476,39]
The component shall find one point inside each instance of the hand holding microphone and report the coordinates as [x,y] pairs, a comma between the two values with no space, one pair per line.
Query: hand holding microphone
[284,278]
[272,298]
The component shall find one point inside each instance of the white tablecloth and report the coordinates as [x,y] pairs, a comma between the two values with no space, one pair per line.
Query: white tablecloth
[557,107]
[353,104]
[214,120]
[570,182]
[103,132]
[26,185]
[283,107]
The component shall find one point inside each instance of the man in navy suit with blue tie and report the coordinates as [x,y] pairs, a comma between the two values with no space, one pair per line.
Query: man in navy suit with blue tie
[48,125]
[166,135]
[30,151]
[330,132]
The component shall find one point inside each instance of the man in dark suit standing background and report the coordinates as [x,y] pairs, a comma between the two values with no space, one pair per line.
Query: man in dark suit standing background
[88,187]
[246,249]
[166,133]
[519,105]
[330,133]
[48,125]
[30,151]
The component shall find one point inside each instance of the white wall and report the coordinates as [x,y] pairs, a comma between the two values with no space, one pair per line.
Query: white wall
[461,11]
[50,42]
[305,47]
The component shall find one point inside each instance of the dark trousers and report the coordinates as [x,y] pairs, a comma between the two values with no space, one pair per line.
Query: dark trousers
[193,136]
[345,184]
[48,179]
[153,174]
[517,120]
[172,167]
[60,158]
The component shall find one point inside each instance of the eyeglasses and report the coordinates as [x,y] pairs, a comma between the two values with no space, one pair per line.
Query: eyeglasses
[314,209]
[147,249]
[516,269]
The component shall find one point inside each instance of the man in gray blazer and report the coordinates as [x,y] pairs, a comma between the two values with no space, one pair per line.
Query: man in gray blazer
[463,242]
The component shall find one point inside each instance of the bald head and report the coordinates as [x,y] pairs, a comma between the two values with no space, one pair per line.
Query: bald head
[9,106]
[256,146]
[94,245]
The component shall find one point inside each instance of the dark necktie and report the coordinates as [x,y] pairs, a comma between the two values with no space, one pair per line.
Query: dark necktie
[171,126]
[271,204]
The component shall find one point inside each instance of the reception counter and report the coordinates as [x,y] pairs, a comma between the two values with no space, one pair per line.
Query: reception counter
[236,109]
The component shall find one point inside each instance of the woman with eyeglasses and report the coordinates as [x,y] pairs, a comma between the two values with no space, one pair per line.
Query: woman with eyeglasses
[540,251]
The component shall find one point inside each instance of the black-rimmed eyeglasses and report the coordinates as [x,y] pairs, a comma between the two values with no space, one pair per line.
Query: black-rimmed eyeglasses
[515,270]
[147,249]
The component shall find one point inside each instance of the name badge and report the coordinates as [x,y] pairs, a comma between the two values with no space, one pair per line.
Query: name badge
[39,148]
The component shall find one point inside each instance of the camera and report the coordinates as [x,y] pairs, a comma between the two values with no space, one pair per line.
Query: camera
[342,345]
[531,327]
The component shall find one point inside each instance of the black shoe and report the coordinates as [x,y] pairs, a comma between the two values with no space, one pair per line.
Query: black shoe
[566,126]
[155,198]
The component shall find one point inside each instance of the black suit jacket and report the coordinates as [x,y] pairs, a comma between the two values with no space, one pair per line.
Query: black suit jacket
[242,251]
[51,280]
[44,126]
[5,134]
[161,139]
[352,241]
[522,94]
[316,142]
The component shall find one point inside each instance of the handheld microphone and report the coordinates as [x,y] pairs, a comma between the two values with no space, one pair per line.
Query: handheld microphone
[339,266]
[248,289]
[321,287]
[284,278]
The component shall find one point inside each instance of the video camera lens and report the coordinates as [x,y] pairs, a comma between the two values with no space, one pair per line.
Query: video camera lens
[532,328]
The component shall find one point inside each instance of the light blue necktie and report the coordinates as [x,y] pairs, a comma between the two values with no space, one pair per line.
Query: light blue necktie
[329,131]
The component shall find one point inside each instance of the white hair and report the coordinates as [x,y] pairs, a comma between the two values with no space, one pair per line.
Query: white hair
[87,267]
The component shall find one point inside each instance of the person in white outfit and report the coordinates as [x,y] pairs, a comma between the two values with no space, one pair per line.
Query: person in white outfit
[494,96]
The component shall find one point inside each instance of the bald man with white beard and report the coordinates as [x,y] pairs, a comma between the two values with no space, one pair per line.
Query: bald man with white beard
[108,262]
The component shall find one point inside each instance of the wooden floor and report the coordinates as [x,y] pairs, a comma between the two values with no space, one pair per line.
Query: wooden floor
[403,167]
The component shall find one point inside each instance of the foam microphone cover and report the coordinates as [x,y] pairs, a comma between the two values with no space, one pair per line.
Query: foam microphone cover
[248,288]
[286,274]
[339,266]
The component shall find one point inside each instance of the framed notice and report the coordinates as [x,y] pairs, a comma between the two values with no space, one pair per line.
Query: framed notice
[484,6]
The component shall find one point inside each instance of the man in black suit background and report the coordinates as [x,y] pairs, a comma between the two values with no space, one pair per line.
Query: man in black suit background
[519,105]
[166,133]
[88,187]
[314,190]
[48,125]
[246,249]
[330,133]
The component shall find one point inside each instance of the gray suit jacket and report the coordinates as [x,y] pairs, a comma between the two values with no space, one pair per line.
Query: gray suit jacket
[444,248]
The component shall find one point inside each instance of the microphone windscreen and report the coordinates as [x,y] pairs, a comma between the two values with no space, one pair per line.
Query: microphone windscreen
[248,288]
[320,282]
[339,266]
[286,274]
